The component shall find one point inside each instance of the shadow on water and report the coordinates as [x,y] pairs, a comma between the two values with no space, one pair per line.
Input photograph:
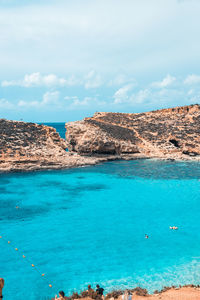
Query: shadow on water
[144,168]
[4,190]
[10,212]
[65,194]
[86,218]
[80,177]
[148,169]
[85,187]
[4,180]
[77,188]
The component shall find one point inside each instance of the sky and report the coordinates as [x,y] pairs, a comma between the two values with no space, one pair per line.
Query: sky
[63,60]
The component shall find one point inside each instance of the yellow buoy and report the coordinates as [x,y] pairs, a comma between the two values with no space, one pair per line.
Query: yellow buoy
[16,249]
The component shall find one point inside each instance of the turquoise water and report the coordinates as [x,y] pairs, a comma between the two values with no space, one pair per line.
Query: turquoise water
[87,225]
[60,127]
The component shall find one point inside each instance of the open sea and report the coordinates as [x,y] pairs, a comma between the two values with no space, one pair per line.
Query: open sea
[88,225]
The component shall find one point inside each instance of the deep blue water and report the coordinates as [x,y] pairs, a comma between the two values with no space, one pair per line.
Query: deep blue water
[60,127]
[87,225]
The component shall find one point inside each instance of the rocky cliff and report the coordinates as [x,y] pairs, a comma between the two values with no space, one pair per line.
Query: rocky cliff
[29,146]
[167,133]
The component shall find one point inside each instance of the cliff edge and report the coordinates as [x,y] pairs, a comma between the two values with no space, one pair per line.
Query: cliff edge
[29,146]
[165,134]
[168,133]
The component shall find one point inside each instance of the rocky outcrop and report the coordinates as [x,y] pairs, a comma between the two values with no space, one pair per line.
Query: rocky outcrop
[20,139]
[29,146]
[187,292]
[168,133]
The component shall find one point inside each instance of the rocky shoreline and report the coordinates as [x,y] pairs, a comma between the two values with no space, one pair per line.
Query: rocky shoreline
[186,292]
[168,134]
[76,161]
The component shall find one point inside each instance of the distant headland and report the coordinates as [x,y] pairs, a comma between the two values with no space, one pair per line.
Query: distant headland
[172,133]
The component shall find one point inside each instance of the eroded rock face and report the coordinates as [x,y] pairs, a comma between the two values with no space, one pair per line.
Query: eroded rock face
[29,146]
[22,140]
[167,133]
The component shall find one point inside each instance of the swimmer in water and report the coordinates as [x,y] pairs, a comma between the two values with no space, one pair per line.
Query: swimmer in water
[146,236]
[173,227]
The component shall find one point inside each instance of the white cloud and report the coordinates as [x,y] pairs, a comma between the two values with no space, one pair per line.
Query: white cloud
[51,97]
[121,79]
[122,95]
[191,92]
[73,80]
[38,80]
[5,83]
[92,80]
[125,98]
[192,79]
[28,104]
[167,81]
[85,102]
[34,79]
[76,102]
[118,80]
[141,97]
[137,36]
[165,94]
[5,104]
[70,98]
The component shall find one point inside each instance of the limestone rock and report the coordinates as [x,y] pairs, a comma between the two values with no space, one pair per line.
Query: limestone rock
[22,140]
[29,146]
[167,133]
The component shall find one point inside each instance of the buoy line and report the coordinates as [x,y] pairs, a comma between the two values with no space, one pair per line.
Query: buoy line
[25,257]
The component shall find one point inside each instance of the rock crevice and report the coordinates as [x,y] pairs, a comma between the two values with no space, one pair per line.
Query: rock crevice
[166,134]
[173,132]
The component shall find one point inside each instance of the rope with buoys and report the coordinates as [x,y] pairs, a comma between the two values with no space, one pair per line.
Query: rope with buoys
[31,264]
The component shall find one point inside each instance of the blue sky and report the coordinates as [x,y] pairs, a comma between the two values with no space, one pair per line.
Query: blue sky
[64,60]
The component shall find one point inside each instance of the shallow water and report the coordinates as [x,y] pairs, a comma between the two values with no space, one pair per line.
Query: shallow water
[87,225]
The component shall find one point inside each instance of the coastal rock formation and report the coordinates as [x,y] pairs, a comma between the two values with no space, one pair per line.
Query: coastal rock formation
[29,146]
[187,292]
[167,133]
[20,139]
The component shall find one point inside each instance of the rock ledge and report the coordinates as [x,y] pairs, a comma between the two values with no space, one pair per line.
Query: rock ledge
[169,133]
